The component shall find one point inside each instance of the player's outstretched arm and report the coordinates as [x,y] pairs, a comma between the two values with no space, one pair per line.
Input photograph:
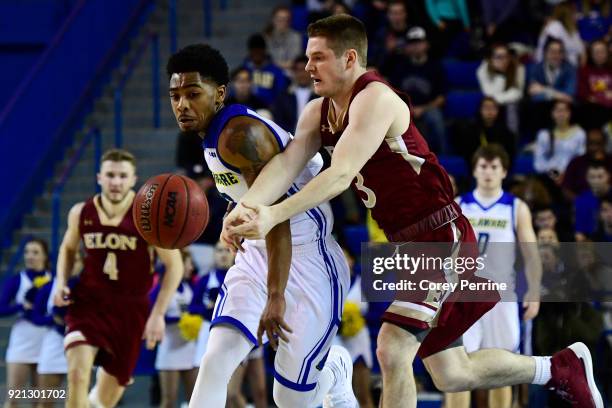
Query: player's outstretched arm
[533,265]
[371,115]
[249,145]
[67,255]
[173,265]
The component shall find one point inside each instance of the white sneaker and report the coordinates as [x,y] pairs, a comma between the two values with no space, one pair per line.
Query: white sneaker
[341,393]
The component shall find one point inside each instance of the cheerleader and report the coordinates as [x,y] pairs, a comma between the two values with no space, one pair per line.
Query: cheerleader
[174,359]
[26,336]
[205,294]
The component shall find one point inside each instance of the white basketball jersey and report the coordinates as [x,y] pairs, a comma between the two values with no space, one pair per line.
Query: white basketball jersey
[305,227]
[494,224]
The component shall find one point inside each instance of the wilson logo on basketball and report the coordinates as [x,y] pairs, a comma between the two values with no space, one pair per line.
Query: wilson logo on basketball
[170,211]
[145,208]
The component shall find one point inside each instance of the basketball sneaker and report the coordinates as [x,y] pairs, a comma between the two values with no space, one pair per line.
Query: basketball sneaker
[572,377]
[341,393]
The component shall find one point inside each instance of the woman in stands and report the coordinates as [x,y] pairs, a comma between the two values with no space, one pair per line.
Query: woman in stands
[502,78]
[284,43]
[17,298]
[562,26]
[557,146]
[595,86]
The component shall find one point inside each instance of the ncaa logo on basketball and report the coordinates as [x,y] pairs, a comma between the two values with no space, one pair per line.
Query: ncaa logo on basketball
[145,208]
[170,210]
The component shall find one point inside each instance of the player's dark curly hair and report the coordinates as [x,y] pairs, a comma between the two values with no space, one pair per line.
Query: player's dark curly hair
[201,58]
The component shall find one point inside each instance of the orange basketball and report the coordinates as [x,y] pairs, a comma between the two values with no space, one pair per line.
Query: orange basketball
[170,211]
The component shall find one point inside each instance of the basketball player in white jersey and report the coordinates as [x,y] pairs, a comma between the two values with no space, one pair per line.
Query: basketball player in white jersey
[289,287]
[499,218]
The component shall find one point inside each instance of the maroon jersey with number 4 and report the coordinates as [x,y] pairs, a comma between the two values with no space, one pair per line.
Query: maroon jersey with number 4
[110,304]
[117,258]
[403,182]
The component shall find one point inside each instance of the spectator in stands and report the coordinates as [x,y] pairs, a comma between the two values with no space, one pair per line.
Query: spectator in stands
[545,218]
[486,129]
[548,236]
[423,79]
[284,43]
[550,80]
[562,26]
[557,146]
[533,191]
[574,181]
[594,19]
[241,90]
[341,7]
[269,80]
[587,204]
[17,298]
[450,17]
[495,16]
[289,105]
[390,39]
[595,86]
[502,77]
[603,232]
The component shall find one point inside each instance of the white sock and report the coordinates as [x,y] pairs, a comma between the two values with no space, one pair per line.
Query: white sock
[542,371]
[226,348]
[94,401]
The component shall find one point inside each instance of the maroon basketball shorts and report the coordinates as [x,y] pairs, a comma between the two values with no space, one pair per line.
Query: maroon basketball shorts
[442,320]
[114,324]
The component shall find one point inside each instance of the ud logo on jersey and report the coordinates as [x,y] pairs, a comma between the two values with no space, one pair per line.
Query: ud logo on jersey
[225,179]
[488,222]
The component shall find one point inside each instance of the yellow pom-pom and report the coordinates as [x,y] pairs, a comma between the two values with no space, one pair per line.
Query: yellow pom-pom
[41,281]
[189,326]
[352,320]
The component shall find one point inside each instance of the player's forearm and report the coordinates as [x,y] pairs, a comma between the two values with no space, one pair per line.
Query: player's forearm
[65,264]
[533,270]
[272,182]
[278,246]
[327,185]
[170,282]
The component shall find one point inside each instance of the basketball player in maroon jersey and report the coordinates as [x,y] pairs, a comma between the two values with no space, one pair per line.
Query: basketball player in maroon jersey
[107,310]
[367,127]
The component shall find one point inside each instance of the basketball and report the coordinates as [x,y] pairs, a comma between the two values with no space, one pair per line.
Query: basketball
[170,211]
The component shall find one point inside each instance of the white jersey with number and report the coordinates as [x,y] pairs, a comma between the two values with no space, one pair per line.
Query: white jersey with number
[495,225]
[318,277]
[495,228]
[305,227]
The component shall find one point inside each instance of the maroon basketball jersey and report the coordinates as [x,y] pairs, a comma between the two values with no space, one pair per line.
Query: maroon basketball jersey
[403,182]
[117,260]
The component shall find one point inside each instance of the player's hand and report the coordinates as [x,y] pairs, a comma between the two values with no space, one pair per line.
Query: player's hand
[154,330]
[531,310]
[272,321]
[237,216]
[61,297]
[261,221]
